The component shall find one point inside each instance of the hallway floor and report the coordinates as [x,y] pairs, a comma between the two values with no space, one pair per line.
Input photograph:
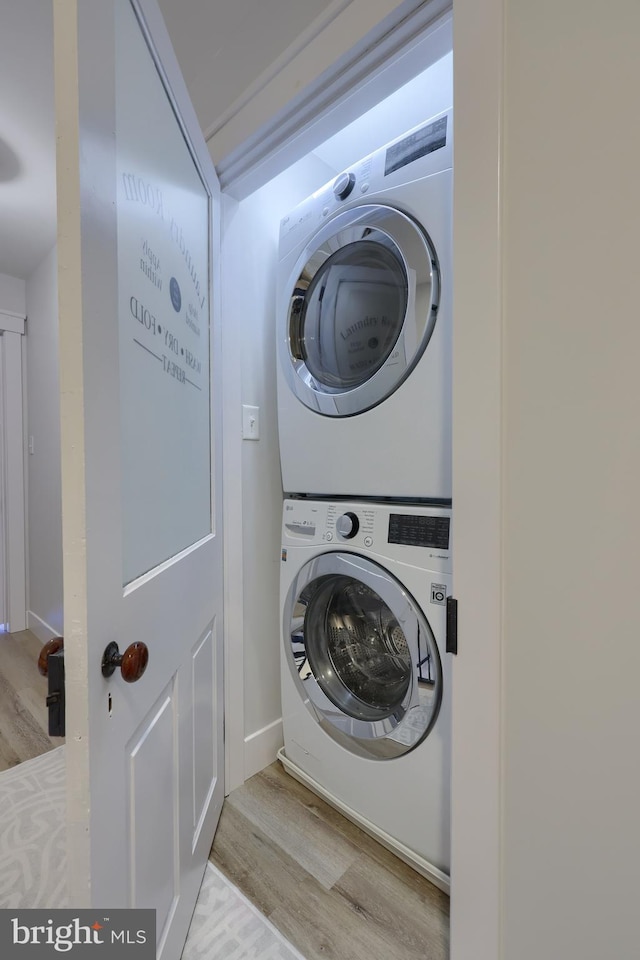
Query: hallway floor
[23,691]
[330,889]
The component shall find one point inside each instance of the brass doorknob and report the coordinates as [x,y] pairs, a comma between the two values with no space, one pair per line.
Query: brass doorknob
[51,647]
[133,662]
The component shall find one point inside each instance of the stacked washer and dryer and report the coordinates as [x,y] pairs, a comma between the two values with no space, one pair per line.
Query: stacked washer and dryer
[364,416]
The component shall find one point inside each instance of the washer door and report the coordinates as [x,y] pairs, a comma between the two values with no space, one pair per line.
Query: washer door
[363,306]
[362,655]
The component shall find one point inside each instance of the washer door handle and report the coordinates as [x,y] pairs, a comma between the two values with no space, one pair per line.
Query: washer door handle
[296,309]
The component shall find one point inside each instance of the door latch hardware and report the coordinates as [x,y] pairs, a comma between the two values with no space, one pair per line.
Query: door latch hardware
[51,666]
[56,698]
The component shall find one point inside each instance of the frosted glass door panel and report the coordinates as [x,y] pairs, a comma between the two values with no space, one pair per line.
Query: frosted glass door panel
[163,306]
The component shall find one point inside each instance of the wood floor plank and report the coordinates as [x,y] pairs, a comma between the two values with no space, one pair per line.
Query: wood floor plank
[319,922]
[278,813]
[34,703]
[343,826]
[327,927]
[377,909]
[18,728]
[416,923]
[258,866]
[17,662]
[30,643]
[8,756]
[23,711]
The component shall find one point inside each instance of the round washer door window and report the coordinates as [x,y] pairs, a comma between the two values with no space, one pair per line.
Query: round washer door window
[364,301]
[362,655]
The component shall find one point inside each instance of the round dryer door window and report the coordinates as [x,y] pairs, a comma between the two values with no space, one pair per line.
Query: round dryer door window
[363,306]
[362,655]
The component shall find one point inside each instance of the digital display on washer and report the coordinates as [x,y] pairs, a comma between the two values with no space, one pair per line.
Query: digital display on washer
[418,144]
[419,531]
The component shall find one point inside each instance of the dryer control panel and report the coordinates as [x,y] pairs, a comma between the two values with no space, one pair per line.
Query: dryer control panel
[427,148]
[419,535]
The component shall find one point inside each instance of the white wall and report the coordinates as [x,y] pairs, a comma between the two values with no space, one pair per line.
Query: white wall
[571,774]
[250,250]
[43,424]
[12,295]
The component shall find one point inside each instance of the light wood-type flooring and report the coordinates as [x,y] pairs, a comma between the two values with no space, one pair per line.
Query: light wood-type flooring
[331,890]
[23,691]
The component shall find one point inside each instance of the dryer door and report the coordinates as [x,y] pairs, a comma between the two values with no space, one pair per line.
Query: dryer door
[362,655]
[363,305]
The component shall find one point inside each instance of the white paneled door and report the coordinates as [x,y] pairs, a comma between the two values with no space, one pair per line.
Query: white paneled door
[138,207]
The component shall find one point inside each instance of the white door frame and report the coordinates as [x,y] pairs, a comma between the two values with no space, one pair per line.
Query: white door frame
[12,328]
[477,389]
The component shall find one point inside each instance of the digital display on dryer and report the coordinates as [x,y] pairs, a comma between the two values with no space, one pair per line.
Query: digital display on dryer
[418,144]
[419,531]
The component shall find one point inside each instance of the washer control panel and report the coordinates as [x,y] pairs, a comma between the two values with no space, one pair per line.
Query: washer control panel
[413,534]
[418,530]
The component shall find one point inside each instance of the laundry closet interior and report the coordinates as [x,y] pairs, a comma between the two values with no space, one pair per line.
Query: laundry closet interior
[544,422]
[252,308]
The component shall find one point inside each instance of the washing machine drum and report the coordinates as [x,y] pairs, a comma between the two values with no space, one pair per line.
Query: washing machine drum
[362,308]
[362,655]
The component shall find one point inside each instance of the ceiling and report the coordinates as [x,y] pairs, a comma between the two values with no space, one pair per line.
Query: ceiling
[242,39]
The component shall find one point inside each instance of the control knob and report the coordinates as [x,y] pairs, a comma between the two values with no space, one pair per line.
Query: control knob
[347,525]
[343,185]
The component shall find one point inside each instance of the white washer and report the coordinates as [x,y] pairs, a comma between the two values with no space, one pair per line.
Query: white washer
[365,676]
[364,327]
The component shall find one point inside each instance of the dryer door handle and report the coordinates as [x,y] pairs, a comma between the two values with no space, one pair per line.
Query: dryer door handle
[296,308]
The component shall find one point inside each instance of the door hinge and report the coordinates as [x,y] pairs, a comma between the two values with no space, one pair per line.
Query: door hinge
[452,625]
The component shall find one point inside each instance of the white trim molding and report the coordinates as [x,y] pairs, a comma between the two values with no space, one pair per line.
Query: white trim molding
[478,483]
[261,748]
[339,59]
[14,476]
[43,631]
[11,322]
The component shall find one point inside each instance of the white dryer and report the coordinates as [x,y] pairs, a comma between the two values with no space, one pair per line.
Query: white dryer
[364,327]
[365,677]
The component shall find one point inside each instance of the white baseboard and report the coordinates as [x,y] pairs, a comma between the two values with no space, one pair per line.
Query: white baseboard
[261,748]
[42,630]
